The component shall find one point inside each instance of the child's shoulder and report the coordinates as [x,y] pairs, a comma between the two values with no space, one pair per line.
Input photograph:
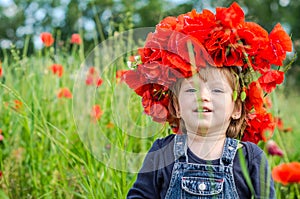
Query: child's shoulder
[252,150]
[163,142]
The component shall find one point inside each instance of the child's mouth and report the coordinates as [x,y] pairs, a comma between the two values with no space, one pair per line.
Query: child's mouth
[203,110]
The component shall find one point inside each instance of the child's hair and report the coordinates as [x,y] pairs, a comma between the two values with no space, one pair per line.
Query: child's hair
[236,126]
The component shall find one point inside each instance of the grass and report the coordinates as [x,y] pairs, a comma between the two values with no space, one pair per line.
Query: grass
[52,148]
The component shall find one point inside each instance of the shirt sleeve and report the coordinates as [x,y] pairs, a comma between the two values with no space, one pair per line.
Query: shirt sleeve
[260,173]
[151,177]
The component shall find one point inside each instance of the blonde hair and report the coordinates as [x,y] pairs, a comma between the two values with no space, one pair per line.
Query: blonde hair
[236,126]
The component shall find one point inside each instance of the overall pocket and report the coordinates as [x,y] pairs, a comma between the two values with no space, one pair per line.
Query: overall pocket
[200,187]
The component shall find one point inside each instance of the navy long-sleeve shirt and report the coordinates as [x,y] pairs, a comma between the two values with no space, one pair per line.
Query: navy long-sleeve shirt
[155,175]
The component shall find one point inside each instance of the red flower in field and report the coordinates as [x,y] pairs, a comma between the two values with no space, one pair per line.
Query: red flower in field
[99,81]
[281,127]
[96,112]
[89,80]
[273,148]
[47,38]
[92,70]
[57,69]
[76,39]
[287,129]
[92,77]
[64,93]
[119,75]
[287,173]
[279,123]
[18,104]
[270,79]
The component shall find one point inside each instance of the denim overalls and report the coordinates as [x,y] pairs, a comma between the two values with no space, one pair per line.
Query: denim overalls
[200,180]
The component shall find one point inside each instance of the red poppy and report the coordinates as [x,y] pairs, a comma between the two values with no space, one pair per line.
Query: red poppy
[92,77]
[47,38]
[151,71]
[18,104]
[253,37]
[155,102]
[259,127]
[280,43]
[180,45]
[96,112]
[270,79]
[230,17]
[168,23]
[273,148]
[64,93]
[135,81]
[281,127]
[255,98]
[92,70]
[119,75]
[198,25]
[76,39]
[217,46]
[279,123]
[287,173]
[99,82]
[89,80]
[57,69]
[179,64]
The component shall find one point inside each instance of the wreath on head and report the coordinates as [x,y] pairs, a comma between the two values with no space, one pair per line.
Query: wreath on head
[181,45]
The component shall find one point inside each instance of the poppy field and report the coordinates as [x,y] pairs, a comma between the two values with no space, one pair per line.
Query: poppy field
[70,128]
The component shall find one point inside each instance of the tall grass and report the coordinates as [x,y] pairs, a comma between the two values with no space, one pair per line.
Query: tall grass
[42,153]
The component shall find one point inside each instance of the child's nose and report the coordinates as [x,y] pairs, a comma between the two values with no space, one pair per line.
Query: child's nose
[204,94]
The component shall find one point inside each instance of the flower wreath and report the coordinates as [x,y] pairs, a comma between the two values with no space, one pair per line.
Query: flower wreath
[181,45]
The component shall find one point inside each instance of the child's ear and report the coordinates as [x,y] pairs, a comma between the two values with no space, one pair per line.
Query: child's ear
[237,111]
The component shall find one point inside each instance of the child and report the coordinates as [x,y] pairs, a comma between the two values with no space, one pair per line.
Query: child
[197,72]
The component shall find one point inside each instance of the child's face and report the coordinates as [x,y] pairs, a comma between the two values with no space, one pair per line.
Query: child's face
[206,105]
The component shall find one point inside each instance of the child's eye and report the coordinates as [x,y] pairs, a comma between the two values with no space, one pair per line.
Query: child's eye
[191,90]
[217,90]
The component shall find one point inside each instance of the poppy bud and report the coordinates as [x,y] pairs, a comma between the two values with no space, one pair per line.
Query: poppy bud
[273,149]
[243,96]
[234,95]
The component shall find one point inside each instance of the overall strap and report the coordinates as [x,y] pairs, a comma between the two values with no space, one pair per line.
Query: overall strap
[180,147]
[229,151]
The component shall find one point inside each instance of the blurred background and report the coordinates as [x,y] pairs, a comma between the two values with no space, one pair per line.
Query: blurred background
[95,20]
